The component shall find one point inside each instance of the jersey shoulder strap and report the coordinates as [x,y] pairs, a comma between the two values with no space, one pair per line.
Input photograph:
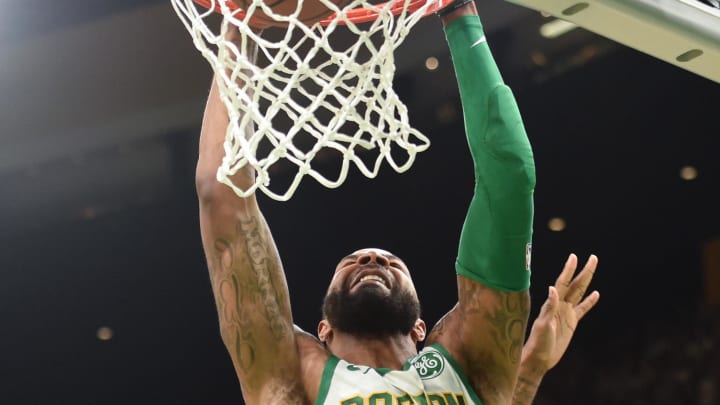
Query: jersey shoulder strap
[326,379]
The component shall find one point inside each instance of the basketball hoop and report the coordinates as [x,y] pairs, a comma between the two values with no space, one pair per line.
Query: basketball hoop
[357,15]
[338,92]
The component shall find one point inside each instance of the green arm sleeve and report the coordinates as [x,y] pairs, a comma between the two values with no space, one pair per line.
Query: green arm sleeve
[496,238]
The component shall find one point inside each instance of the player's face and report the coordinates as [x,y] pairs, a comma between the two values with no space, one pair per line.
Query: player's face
[372,294]
[371,267]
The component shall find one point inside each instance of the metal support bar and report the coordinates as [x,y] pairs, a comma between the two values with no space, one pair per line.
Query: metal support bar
[685,33]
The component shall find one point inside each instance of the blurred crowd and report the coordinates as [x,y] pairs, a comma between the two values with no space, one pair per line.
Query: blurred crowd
[673,361]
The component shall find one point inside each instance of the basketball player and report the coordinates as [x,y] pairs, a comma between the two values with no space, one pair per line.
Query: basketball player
[365,350]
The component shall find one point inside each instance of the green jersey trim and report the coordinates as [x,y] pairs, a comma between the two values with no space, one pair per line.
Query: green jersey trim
[383,370]
[327,375]
[458,370]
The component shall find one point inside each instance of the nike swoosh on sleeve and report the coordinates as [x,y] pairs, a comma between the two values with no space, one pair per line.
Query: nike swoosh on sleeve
[479,41]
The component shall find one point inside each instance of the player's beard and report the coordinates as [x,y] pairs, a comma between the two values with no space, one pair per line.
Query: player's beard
[370,313]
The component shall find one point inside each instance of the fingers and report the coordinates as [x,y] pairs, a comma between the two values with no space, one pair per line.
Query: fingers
[587,304]
[562,283]
[577,288]
[551,304]
[553,299]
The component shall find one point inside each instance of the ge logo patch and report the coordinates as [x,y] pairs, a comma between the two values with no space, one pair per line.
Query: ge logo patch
[429,365]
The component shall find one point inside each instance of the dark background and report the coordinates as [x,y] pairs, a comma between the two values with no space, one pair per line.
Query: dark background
[99,227]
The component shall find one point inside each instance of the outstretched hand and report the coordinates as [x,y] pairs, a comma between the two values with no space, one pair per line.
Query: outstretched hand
[559,316]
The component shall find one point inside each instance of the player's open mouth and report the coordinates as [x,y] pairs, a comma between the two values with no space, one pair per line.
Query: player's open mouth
[372,277]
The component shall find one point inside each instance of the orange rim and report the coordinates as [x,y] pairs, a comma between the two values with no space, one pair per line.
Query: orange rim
[356,15]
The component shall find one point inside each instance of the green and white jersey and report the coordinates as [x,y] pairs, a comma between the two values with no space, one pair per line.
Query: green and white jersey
[432,377]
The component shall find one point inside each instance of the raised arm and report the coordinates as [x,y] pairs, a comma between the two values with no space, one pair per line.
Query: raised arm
[554,327]
[246,274]
[486,329]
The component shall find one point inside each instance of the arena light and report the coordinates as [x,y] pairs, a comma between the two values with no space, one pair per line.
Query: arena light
[556,28]
[104,333]
[688,173]
[538,58]
[447,113]
[432,63]
[556,224]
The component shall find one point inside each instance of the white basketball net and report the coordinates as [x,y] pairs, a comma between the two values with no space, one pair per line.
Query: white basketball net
[308,85]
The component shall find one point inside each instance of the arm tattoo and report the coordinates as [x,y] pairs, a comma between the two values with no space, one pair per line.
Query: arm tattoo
[508,323]
[232,319]
[508,320]
[257,251]
[525,391]
[242,277]
[503,316]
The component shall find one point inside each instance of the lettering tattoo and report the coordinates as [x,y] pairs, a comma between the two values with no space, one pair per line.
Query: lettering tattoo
[257,252]
[244,279]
